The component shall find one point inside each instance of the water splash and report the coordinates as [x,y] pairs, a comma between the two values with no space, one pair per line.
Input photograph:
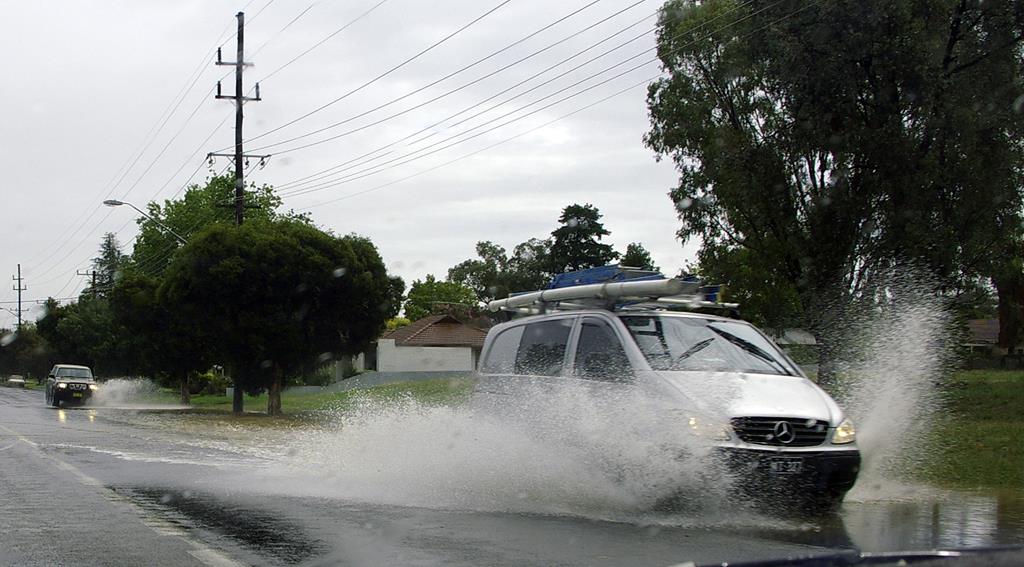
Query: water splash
[569,452]
[896,360]
[129,392]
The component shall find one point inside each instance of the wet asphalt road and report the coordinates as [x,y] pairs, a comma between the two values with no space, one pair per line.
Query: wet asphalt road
[88,487]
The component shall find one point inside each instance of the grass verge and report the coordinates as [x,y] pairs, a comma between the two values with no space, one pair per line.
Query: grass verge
[434,391]
[979,440]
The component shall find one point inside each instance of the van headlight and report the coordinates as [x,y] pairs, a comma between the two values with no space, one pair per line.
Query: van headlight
[93,387]
[707,428]
[61,385]
[845,433]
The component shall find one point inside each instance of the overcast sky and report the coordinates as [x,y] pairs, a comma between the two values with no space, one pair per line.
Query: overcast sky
[114,99]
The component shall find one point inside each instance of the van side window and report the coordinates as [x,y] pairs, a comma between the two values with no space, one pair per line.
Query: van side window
[542,349]
[599,353]
[501,358]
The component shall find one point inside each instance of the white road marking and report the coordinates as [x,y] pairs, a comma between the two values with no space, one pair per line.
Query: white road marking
[202,553]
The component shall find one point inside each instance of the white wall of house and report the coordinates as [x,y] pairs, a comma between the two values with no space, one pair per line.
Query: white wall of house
[393,358]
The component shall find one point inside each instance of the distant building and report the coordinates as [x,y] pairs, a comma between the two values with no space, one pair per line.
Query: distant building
[982,335]
[436,343]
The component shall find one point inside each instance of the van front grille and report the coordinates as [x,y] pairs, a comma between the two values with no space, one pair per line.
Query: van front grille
[781,431]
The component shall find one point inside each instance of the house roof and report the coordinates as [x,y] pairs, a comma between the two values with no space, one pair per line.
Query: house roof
[983,331]
[437,330]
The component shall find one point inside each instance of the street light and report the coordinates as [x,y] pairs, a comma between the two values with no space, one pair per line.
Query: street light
[116,203]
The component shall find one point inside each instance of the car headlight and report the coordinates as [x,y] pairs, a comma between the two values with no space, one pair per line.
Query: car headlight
[61,385]
[708,428]
[845,433]
[93,387]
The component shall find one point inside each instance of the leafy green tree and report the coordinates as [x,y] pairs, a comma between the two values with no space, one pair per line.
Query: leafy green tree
[486,275]
[837,141]
[24,351]
[85,333]
[576,244]
[108,265]
[163,343]
[637,256]
[425,295]
[278,295]
[199,207]
[766,297]
[396,294]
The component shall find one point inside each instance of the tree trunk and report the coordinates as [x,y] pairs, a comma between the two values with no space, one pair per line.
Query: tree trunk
[274,393]
[186,396]
[237,403]
[1010,289]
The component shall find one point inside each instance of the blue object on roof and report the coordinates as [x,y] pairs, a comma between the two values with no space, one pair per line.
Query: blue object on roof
[602,274]
[711,292]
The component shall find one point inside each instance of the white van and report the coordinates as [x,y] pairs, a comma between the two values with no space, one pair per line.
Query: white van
[773,426]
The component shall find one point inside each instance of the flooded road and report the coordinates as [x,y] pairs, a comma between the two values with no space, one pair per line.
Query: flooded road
[200,490]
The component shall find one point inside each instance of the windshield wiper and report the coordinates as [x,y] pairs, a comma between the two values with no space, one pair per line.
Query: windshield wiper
[693,350]
[751,348]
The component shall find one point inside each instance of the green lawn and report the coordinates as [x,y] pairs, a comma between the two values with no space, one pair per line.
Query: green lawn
[979,441]
[436,391]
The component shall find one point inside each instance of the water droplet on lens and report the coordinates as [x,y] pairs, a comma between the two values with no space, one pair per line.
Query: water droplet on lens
[339,272]
[1018,105]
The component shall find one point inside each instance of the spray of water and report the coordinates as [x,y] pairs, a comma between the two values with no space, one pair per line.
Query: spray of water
[127,392]
[897,356]
[569,451]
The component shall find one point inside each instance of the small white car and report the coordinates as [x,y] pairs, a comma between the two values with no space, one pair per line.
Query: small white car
[777,430]
[69,383]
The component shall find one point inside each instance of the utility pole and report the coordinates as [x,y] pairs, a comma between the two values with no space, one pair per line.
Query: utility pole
[237,402]
[93,274]
[19,288]
[240,99]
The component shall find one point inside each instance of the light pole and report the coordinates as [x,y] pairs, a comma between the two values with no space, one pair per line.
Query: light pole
[116,203]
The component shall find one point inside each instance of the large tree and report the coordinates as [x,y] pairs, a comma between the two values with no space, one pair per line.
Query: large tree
[24,351]
[163,341]
[835,141]
[424,297]
[278,295]
[576,244]
[496,274]
[107,265]
[637,256]
[199,207]
[85,332]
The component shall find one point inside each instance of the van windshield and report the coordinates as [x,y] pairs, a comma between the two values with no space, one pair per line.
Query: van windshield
[698,344]
[74,373]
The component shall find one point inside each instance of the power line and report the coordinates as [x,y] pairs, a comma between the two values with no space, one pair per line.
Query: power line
[323,182]
[471,154]
[646,81]
[123,172]
[430,127]
[162,122]
[282,30]
[321,42]
[382,75]
[458,71]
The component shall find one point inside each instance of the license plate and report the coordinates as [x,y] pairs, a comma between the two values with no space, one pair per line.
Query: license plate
[786,466]
[76,395]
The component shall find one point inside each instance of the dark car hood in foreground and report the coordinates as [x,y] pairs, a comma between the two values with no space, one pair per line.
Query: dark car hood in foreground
[1002,556]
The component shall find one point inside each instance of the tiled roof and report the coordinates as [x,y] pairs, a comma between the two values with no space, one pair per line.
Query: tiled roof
[983,331]
[437,330]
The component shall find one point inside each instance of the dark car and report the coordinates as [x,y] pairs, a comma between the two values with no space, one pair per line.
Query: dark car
[69,383]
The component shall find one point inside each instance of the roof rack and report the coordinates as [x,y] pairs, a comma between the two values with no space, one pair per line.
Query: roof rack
[615,288]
